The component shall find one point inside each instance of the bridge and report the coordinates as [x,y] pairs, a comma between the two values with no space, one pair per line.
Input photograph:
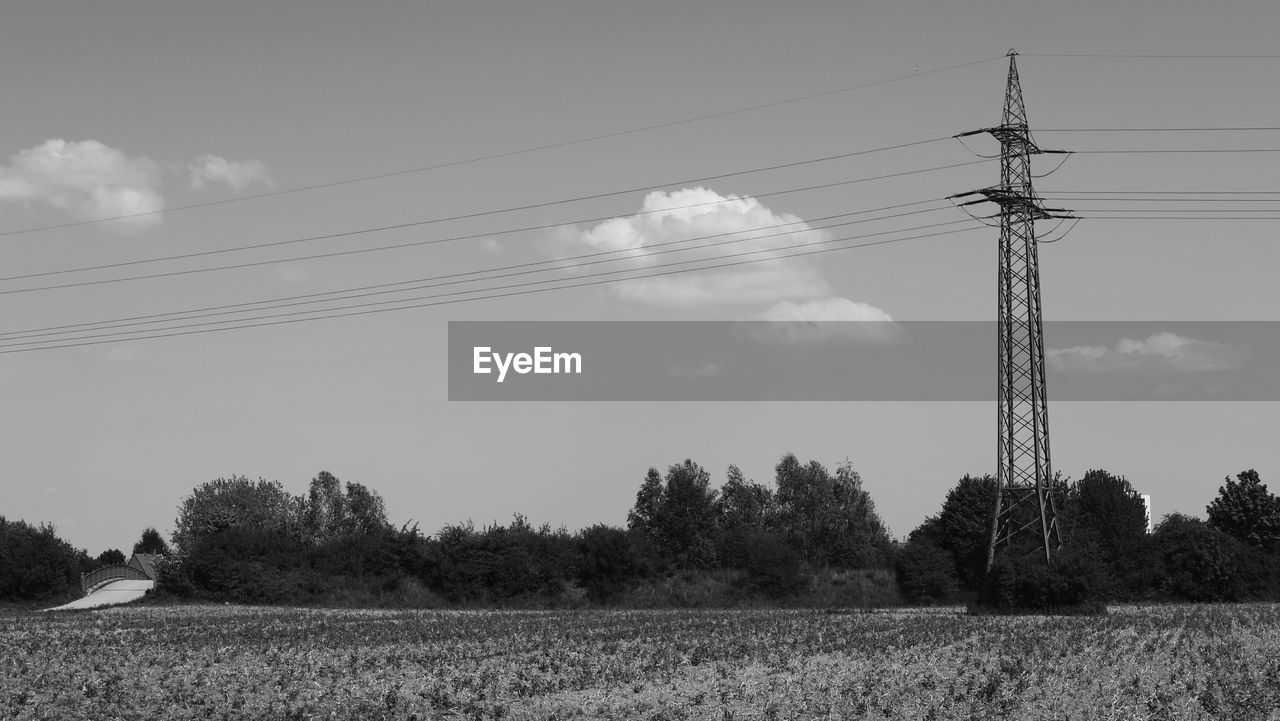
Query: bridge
[115,583]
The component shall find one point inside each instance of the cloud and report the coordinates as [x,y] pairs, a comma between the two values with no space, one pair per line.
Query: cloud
[1160,351]
[86,178]
[828,319]
[667,218]
[209,169]
[828,309]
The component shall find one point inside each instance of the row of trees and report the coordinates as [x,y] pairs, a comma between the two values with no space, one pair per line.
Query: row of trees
[245,540]
[251,540]
[824,519]
[1107,553]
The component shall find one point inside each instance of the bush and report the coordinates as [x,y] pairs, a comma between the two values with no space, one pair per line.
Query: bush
[247,565]
[36,565]
[606,562]
[1200,563]
[1024,583]
[773,567]
[926,573]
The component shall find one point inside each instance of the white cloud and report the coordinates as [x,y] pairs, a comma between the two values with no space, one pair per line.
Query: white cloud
[828,309]
[1160,351]
[666,218]
[209,169]
[828,319]
[86,178]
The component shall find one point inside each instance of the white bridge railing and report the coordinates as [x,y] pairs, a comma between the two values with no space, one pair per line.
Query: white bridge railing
[114,572]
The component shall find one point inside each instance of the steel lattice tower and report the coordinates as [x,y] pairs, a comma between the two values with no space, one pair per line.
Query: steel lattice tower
[1025,508]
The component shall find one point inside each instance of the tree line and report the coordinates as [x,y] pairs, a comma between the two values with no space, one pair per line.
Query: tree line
[1106,554]
[811,536]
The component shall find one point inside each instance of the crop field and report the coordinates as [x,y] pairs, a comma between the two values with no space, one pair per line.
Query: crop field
[224,662]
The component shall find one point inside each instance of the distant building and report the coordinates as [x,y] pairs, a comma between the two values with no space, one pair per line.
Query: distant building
[146,562]
[1146,501]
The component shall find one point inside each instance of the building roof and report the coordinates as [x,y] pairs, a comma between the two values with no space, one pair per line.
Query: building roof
[145,562]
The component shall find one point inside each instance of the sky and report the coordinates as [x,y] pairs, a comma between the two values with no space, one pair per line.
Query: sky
[199,121]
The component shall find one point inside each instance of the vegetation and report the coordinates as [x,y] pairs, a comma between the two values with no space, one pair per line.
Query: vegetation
[36,565]
[1182,662]
[1107,554]
[810,538]
[150,542]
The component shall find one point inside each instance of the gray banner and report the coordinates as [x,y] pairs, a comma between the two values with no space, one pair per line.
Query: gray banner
[854,361]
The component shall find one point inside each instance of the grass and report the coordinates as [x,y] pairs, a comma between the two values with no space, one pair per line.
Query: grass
[230,662]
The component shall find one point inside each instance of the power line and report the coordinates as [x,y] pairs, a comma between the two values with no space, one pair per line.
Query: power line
[288,318]
[1147,56]
[1169,192]
[496,156]
[1180,210]
[468,216]
[1134,151]
[376,249]
[519,269]
[458,274]
[1136,198]
[1176,217]
[1159,130]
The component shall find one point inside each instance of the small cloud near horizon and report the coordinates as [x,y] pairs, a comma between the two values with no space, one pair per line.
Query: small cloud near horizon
[1160,351]
[825,320]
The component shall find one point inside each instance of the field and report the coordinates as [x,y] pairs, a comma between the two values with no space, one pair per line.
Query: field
[220,662]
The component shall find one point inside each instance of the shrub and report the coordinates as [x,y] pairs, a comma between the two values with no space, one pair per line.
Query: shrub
[36,565]
[1024,583]
[926,573]
[606,562]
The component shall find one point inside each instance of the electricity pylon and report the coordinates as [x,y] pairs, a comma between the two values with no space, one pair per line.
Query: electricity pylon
[1025,504]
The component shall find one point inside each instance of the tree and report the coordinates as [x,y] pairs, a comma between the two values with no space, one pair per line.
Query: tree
[861,536]
[644,516]
[151,542]
[744,511]
[743,503]
[366,511]
[111,557]
[606,561]
[963,528]
[330,513]
[1104,519]
[37,565]
[233,502]
[1245,510]
[925,572]
[676,516]
[325,508]
[1200,563]
[830,520]
[1103,512]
